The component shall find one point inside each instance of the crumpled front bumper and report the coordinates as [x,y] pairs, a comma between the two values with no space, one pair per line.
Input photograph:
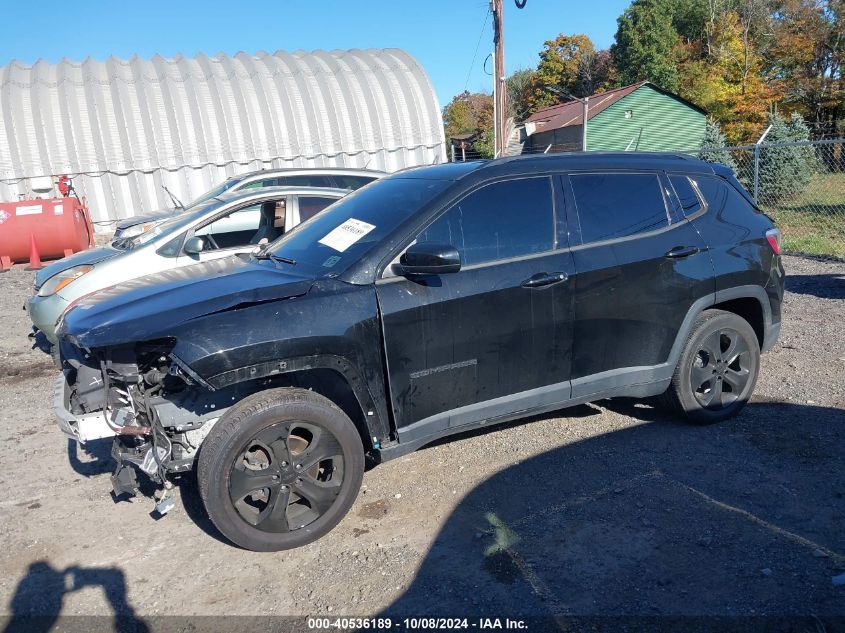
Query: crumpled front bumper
[82,428]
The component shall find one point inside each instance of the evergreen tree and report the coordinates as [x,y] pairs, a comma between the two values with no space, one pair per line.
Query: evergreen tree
[784,171]
[805,154]
[713,147]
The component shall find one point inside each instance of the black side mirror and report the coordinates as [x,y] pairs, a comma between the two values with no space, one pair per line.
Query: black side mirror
[195,245]
[430,258]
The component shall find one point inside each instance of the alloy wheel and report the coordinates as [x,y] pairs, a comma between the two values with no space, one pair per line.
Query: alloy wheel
[721,369]
[286,476]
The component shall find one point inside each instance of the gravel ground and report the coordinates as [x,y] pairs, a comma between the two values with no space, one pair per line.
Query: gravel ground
[610,509]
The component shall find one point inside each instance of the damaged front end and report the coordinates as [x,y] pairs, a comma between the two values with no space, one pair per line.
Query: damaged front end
[155,408]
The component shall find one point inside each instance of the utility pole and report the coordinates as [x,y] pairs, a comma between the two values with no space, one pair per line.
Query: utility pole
[500,92]
[584,116]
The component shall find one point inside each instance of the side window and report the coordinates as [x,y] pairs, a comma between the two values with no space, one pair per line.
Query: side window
[712,190]
[343,181]
[611,206]
[255,184]
[233,230]
[303,181]
[505,219]
[309,206]
[690,204]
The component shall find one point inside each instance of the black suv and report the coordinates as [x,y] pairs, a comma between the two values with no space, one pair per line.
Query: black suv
[427,303]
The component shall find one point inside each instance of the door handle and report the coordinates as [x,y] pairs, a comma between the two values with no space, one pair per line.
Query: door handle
[680,252]
[544,279]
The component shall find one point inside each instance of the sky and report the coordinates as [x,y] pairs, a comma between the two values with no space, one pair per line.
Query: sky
[443,35]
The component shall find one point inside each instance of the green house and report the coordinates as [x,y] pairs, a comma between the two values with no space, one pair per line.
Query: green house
[640,117]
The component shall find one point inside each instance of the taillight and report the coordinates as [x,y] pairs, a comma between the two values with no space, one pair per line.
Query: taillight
[773,235]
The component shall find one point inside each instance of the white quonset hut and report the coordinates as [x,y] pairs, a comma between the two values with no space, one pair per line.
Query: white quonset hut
[123,128]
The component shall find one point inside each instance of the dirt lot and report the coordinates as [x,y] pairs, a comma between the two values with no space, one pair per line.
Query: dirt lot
[609,509]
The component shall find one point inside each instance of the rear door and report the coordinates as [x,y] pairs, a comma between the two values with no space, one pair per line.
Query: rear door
[493,338]
[639,268]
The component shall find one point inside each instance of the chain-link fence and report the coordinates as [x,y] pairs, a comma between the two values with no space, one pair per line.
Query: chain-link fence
[801,185]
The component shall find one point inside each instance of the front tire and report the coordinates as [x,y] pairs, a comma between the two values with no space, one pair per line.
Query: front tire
[280,469]
[717,371]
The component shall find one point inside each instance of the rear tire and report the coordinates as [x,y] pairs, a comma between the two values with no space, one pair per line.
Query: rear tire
[280,469]
[717,371]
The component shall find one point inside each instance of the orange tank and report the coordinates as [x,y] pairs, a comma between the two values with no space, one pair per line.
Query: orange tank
[57,226]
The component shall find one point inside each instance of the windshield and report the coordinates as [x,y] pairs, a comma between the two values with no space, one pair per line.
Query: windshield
[215,191]
[339,235]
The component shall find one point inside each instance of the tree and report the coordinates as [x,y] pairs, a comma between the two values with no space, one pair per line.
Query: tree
[689,17]
[558,71]
[805,155]
[784,171]
[471,113]
[645,43]
[596,73]
[806,57]
[520,87]
[723,76]
[713,147]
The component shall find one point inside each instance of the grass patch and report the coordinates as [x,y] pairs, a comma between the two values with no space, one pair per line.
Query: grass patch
[813,221]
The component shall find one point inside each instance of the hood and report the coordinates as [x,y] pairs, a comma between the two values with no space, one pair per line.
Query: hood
[150,307]
[91,256]
[149,217]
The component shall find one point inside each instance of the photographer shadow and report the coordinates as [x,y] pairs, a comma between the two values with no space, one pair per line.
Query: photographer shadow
[39,597]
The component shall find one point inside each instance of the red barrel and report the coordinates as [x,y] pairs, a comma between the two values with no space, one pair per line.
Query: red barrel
[59,226]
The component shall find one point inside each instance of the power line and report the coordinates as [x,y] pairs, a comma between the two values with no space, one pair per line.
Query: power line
[477,45]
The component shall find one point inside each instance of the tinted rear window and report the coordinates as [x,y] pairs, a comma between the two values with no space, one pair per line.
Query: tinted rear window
[690,203]
[300,181]
[309,206]
[611,206]
[713,191]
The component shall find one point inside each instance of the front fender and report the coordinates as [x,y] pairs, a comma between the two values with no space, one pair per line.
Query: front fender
[334,326]
[373,405]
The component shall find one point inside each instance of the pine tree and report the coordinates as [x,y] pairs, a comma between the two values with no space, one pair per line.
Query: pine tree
[805,154]
[713,147]
[784,171]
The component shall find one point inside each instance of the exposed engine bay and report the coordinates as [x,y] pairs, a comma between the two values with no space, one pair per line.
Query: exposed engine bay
[157,412]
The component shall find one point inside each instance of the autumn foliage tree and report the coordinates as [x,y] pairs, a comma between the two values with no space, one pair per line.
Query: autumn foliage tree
[737,59]
[558,74]
[471,113]
[805,59]
[723,75]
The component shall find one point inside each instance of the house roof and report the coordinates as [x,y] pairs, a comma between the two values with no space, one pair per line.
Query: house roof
[570,113]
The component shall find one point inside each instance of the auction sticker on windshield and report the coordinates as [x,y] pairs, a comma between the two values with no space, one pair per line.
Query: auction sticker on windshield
[346,234]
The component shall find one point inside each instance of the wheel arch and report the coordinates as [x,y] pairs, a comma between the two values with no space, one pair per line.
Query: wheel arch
[749,302]
[752,304]
[751,310]
[333,377]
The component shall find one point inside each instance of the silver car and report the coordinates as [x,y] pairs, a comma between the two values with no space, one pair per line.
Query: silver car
[323,177]
[228,224]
